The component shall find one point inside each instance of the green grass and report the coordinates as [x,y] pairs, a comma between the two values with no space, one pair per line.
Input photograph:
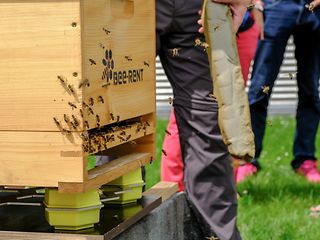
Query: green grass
[274,204]
[153,170]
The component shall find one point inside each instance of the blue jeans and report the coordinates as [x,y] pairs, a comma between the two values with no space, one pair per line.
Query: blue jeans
[282,19]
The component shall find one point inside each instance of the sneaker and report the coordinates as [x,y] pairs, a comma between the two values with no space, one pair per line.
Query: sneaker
[309,170]
[242,172]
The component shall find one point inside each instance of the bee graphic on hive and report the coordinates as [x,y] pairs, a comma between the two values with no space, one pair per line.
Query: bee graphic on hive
[108,64]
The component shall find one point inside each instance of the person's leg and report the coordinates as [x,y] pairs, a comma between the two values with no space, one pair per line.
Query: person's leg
[266,67]
[247,42]
[209,181]
[171,164]
[267,62]
[307,53]
[171,160]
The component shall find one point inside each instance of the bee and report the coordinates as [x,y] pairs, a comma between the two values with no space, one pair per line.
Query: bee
[205,46]
[175,52]
[118,118]
[86,124]
[198,42]
[99,148]
[144,126]
[98,118]
[81,113]
[215,28]
[70,87]
[100,99]
[212,96]
[84,82]
[106,31]
[265,89]
[133,142]
[110,138]
[104,74]
[170,100]
[91,149]
[269,123]
[128,137]
[310,7]
[212,238]
[123,133]
[167,132]
[105,85]
[90,111]
[73,125]
[85,148]
[72,105]
[84,105]
[102,46]
[250,6]
[62,81]
[148,124]
[91,101]
[92,62]
[164,152]
[111,117]
[139,126]
[146,63]
[85,136]
[292,75]
[128,58]
[95,141]
[121,138]
[66,118]
[75,120]
[56,121]
[66,131]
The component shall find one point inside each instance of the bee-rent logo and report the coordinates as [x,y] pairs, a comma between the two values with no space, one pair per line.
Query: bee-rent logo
[118,77]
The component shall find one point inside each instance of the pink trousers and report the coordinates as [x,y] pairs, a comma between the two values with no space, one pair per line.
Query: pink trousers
[171,162]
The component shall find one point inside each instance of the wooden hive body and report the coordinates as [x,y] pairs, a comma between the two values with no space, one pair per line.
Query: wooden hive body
[70,66]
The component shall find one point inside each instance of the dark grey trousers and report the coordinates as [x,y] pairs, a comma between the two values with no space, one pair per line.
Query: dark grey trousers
[209,180]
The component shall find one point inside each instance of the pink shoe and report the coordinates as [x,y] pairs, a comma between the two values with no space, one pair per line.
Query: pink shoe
[245,171]
[309,170]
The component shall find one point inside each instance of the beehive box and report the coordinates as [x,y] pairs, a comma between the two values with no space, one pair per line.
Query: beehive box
[77,77]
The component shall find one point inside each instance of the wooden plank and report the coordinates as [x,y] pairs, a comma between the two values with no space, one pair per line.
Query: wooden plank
[149,203]
[45,236]
[39,159]
[163,189]
[122,46]
[38,43]
[107,172]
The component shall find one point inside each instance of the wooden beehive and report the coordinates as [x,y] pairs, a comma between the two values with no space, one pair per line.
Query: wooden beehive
[77,77]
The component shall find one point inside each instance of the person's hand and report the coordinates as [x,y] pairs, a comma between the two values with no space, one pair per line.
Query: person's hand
[238,9]
[258,18]
[314,4]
